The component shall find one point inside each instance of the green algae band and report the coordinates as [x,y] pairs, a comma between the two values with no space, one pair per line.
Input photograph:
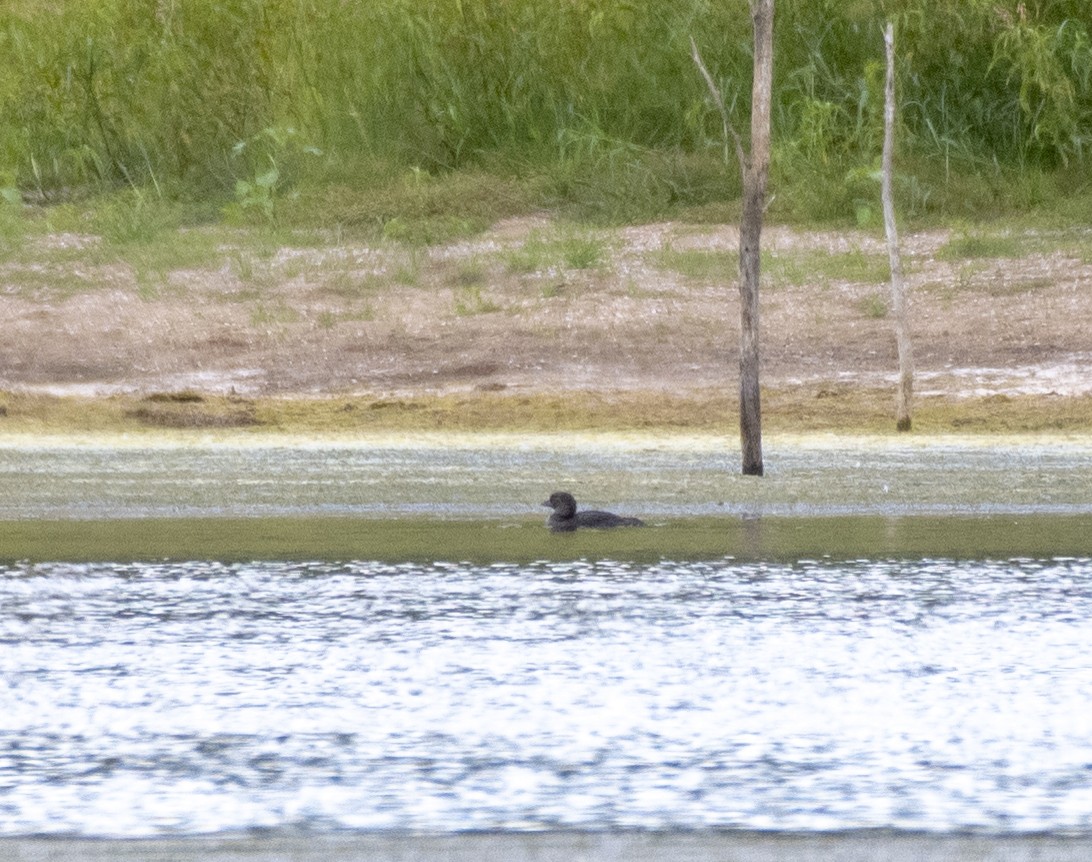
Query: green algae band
[341,538]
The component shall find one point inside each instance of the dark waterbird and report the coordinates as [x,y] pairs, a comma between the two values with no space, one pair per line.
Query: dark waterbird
[565,518]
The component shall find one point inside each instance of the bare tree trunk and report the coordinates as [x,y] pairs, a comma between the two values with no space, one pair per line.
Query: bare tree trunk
[755,168]
[905,390]
[755,172]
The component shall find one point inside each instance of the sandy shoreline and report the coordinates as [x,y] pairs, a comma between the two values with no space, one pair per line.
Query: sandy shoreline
[632,846]
[504,312]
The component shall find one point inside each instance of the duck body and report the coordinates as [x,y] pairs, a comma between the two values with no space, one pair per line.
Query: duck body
[566,519]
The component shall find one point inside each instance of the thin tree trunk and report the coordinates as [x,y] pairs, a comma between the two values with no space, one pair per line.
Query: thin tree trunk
[755,168]
[905,390]
[755,172]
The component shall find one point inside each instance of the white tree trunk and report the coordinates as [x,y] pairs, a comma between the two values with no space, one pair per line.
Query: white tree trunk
[905,390]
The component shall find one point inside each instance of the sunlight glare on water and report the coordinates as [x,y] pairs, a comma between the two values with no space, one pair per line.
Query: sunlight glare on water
[156,699]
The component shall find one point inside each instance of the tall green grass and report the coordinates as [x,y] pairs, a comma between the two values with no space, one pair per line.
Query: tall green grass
[594,103]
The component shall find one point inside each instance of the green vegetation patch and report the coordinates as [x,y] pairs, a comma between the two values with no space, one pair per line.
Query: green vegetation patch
[873,306]
[566,247]
[968,245]
[805,266]
[699,264]
[810,266]
[469,301]
[414,208]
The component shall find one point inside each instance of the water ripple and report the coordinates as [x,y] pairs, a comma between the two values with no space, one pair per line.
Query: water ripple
[153,699]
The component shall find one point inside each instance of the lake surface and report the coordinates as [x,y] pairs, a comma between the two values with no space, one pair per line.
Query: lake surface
[173,699]
[509,475]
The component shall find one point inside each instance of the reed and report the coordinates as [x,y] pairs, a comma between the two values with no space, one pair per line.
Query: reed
[594,101]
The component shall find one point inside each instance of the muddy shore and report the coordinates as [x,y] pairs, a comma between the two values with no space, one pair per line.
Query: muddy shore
[647,315]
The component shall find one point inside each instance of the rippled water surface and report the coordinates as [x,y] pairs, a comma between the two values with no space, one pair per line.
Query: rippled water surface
[189,698]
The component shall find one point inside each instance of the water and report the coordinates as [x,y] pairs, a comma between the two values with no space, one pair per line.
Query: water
[178,699]
[506,476]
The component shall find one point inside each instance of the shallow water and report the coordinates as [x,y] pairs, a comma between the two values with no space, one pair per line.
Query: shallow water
[507,476]
[176,699]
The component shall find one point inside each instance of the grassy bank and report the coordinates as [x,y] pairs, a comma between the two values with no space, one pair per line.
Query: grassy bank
[838,410]
[331,114]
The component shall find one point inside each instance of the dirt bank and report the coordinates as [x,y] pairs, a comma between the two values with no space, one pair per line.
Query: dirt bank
[530,308]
